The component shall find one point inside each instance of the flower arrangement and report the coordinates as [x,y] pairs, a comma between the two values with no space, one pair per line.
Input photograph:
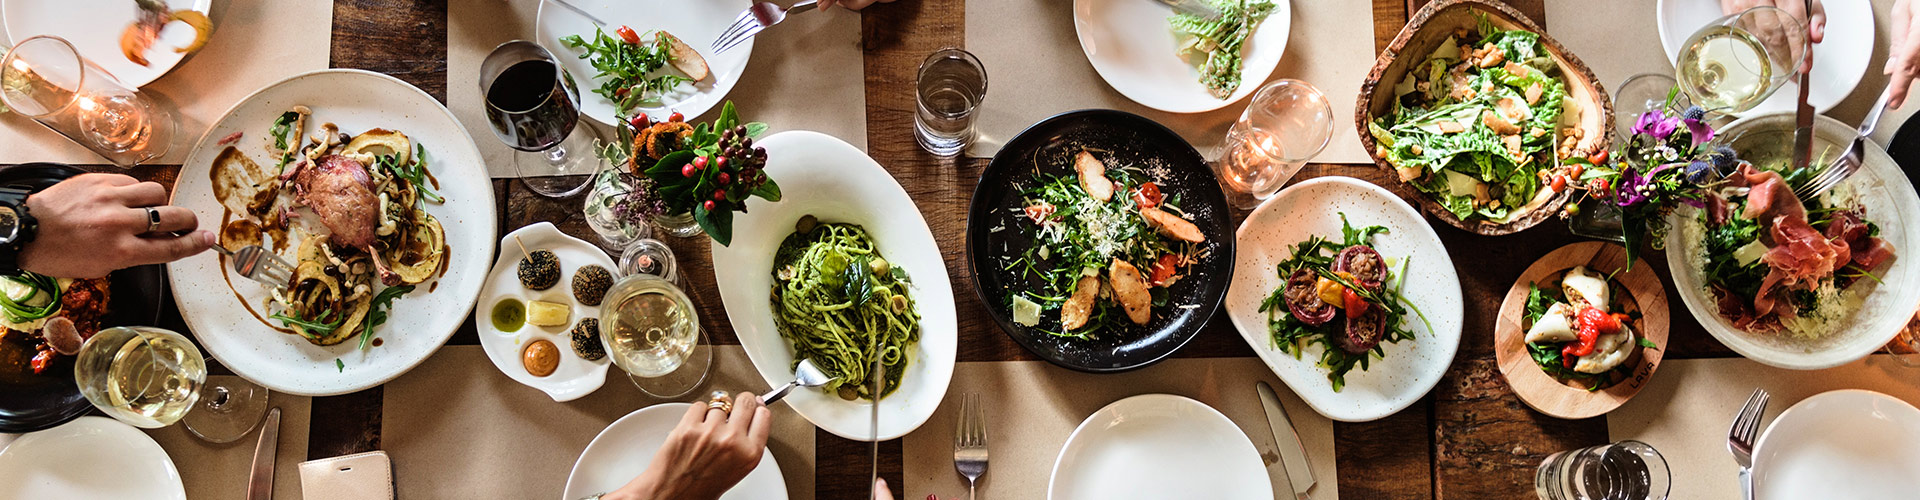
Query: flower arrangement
[675,168]
[1668,160]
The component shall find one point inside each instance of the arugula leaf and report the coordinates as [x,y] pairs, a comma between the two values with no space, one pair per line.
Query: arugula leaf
[1538,301]
[311,328]
[377,314]
[282,126]
[1646,342]
[628,69]
[339,366]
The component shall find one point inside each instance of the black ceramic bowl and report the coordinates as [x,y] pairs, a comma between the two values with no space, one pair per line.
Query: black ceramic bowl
[995,231]
[30,402]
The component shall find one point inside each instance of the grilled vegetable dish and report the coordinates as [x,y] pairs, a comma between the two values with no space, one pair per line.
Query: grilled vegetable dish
[1576,332]
[1343,296]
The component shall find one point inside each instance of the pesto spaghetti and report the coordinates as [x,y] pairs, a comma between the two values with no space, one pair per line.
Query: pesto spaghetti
[839,303]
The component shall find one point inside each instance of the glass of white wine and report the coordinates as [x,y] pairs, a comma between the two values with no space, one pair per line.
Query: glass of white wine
[151,378]
[1738,61]
[1287,123]
[652,331]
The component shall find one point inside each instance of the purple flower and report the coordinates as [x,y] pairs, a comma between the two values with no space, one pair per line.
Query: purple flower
[1656,124]
[1700,130]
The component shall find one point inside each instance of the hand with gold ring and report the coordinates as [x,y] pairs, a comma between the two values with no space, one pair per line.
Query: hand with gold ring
[716,444]
[93,224]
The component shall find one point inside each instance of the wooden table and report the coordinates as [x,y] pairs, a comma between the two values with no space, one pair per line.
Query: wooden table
[1470,438]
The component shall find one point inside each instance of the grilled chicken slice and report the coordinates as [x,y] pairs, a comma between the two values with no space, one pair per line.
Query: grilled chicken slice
[1093,177]
[1131,291]
[1173,226]
[1079,306]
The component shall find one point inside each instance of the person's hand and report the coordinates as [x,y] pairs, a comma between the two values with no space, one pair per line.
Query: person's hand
[1903,56]
[706,454]
[881,491]
[850,4]
[1816,31]
[93,224]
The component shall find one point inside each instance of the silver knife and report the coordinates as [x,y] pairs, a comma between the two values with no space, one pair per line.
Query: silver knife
[1196,8]
[1803,114]
[1293,455]
[879,380]
[260,482]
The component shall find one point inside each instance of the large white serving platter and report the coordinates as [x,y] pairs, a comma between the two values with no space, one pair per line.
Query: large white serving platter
[94,28]
[91,457]
[1158,446]
[575,377]
[420,321]
[1313,207]
[697,23]
[1840,444]
[1134,49]
[835,182]
[626,446]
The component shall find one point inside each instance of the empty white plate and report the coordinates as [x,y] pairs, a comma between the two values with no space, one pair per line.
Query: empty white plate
[94,28]
[697,23]
[624,449]
[1134,49]
[1159,446]
[91,457]
[1840,444]
[1839,60]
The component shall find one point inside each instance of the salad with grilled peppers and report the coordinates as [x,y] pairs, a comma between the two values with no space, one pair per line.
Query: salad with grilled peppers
[1473,125]
[1342,295]
[1575,332]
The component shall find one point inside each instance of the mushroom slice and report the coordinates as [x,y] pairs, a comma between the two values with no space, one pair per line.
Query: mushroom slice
[1173,226]
[1131,291]
[1093,177]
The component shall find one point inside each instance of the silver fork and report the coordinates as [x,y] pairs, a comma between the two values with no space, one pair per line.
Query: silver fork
[258,264]
[1848,162]
[970,442]
[1740,437]
[804,375]
[759,16]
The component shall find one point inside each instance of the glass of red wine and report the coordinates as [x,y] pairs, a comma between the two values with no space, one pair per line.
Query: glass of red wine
[534,107]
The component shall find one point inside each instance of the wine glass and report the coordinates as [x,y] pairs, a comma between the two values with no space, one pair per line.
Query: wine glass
[1287,123]
[652,331]
[46,79]
[534,108]
[1734,63]
[151,378]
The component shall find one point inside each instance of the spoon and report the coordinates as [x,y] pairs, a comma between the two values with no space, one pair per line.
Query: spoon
[806,375]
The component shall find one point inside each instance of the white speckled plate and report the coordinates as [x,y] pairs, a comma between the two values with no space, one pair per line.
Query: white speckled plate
[421,321]
[576,376]
[1313,207]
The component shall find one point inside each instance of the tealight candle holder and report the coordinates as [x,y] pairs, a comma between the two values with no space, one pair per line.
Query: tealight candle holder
[46,79]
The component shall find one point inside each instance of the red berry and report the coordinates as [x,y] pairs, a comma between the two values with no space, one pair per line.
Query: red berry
[638,121]
[708,205]
[688,170]
[722,162]
[724,178]
[719,194]
[676,116]
[700,163]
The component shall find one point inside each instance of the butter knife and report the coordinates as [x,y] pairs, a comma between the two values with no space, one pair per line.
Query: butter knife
[1803,113]
[260,481]
[879,375]
[1293,455]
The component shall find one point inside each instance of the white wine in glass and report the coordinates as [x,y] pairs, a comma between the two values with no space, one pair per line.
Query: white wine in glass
[652,331]
[1738,61]
[146,377]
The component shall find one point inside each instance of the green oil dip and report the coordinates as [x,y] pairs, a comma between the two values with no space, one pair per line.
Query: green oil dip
[509,315]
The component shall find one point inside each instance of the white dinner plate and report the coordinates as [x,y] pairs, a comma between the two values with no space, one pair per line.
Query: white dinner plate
[835,182]
[1313,207]
[94,28]
[1134,49]
[91,457]
[1155,446]
[1840,444]
[624,449]
[575,377]
[698,23]
[1839,60]
[421,321]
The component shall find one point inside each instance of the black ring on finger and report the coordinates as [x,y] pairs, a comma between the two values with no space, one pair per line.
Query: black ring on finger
[153,219]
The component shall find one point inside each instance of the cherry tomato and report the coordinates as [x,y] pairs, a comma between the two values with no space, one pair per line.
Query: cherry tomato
[1559,182]
[1355,305]
[707,205]
[1039,213]
[676,117]
[1148,195]
[688,171]
[629,35]
[1163,269]
[41,361]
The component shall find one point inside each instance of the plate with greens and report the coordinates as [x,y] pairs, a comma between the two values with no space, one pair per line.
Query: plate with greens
[1099,240]
[654,57]
[1348,295]
[1180,63]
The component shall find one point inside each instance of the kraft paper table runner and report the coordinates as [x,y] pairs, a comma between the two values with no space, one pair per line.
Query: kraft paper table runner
[1032,407]
[254,43]
[220,471]
[1685,410]
[455,427]
[806,74]
[1036,69]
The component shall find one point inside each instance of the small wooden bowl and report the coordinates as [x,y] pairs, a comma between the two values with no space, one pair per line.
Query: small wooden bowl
[1570,400]
[1431,27]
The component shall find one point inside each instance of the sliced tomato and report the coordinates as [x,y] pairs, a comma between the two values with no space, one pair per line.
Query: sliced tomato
[629,35]
[1163,270]
[1148,195]
[1039,213]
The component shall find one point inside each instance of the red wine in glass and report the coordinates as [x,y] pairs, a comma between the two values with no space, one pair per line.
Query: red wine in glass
[530,107]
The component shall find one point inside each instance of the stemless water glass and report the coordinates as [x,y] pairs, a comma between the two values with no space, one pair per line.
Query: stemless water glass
[651,330]
[1287,123]
[534,108]
[151,378]
[1627,470]
[1739,60]
[650,256]
[951,85]
[45,79]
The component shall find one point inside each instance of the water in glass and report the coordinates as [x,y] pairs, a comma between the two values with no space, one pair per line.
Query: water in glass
[1287,123]
[1627,470]
[952,83]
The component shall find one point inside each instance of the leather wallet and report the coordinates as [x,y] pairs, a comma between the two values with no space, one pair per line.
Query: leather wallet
[360,476]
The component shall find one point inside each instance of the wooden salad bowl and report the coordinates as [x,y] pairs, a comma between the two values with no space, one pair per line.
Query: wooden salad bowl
[1429,28]
[1569,400]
